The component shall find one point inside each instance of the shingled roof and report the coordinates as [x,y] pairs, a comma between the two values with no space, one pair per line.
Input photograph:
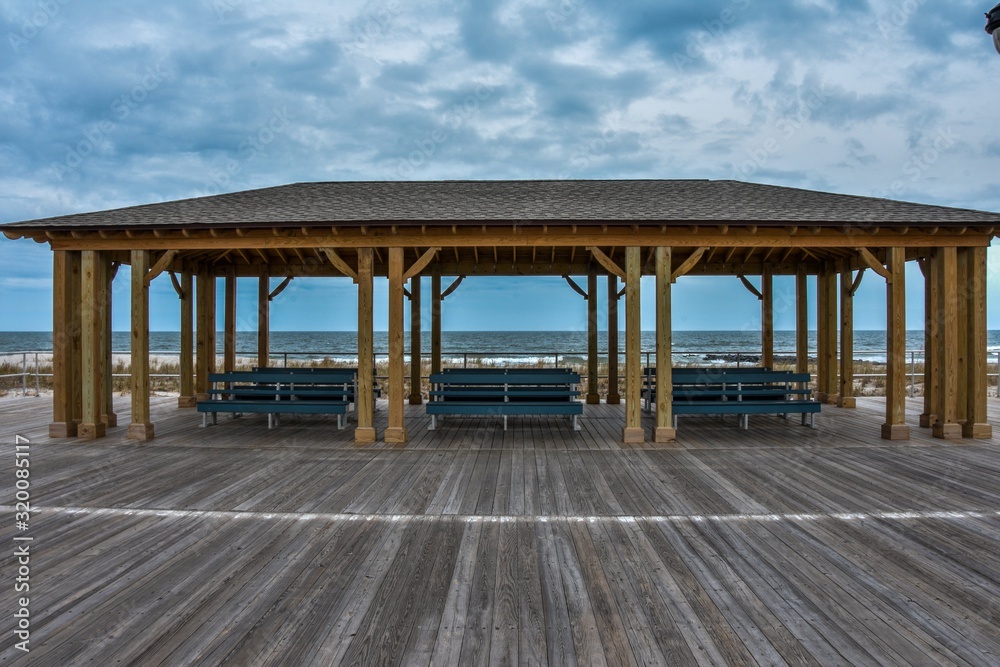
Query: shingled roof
[482,202]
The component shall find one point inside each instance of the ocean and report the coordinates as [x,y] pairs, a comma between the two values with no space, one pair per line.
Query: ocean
[689,346]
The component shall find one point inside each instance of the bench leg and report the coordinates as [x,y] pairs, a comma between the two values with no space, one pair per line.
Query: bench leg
[433,423]
[204,420]
[505,422]
[576,422]
[215,418]
[340,422]
[675,421]
[270,420]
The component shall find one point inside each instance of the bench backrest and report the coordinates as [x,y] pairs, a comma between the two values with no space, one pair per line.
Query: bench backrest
[521,376]
[316,376]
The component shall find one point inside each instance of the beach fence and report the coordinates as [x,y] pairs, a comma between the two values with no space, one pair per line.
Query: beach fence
[31,371]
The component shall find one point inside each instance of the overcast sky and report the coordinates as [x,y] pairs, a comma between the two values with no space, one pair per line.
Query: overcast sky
[112,103]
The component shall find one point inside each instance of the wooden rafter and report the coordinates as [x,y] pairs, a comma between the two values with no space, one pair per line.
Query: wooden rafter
[872,261]
[857,281]
[339,263]
[421,263]
[280,288]
[451,288]
[751,287]
[576,288]
[607,262]
[161,265]
[688,264]
[177,285]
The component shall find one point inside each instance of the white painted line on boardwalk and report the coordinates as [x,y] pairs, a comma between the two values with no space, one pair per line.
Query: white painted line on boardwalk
[399,518]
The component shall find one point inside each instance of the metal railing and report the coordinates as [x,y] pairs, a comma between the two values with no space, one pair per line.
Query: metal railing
[31,373]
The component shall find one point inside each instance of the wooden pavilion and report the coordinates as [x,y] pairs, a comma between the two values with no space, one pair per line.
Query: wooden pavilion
[615,230]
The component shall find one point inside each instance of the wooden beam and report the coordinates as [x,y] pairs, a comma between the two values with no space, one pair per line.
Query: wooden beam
[421,263]
[845,398]
[634,433]
[872,261]
[946,425]
[177,286]
[141,427]
[614,395]
[187,398]
[750,286]
[895,427]
[340,264]
[416,397]
[395,432]
[975,425]
[364,433]
[63,301]
[767,319]
[436,319]
[609,264]
[451,288]
[92,346]
[857,281]
[932,341]
[593,395]
[263,318]
[108,415]
[688,264]
[162,265]
[665,431]
[229,331]
[801,322]
[576,287]
[280,288]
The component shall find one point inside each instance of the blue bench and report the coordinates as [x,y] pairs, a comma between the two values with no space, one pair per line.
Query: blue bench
[737,391]
[274,391]
[505,392]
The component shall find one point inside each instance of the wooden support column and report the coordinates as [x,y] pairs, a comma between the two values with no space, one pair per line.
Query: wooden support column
[962,384]
[108,415]
[846,397]
[141,427]
[614,397]
[826,324]
[263,317]
[416,398]
[395,433]
[895,427]
[665,431]
[64,301]
[436,319]
[946,425]
[767,318]
[931,340]
[229,345]
[801,321]
[365,431]
[975,425]
[593,394]
[634,433]
[205,365]
[92,344]
[76,339]
[187,398]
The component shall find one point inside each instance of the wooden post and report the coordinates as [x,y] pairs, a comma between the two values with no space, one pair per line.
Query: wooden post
[75,326]
[932,341]
[92,343]
[826,321]
[614,397]
[767,318]
[665,431]
[229,345]
[416,397]
[593,394]
[946,424]
[976,425]
[962,302]
[206,334]
[108,415]
[846,398]
[63,303]
[436,319]
[895,427]
[395,433]
[801,321]
[187,398]
[634,433]
[365,431]
[263,318]
[822,334]
[141,427]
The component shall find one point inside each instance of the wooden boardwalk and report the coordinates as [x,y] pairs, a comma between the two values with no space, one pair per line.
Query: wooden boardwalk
[242,546]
